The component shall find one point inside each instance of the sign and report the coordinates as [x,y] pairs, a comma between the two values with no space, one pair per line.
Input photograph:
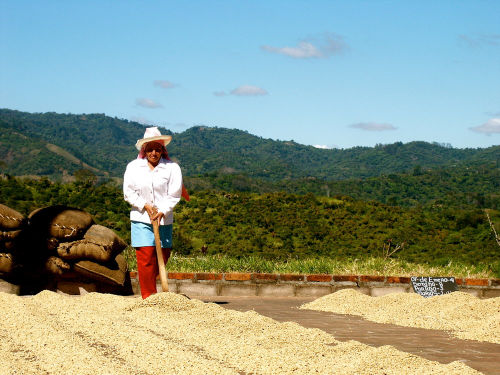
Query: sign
[433,286]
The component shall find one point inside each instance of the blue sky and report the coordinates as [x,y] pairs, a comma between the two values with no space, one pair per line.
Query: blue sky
[327,73]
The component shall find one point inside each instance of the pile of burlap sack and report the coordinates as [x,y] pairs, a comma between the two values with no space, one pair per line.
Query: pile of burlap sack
[60,244]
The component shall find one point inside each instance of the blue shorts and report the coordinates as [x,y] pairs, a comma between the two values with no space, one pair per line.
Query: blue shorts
[142,235]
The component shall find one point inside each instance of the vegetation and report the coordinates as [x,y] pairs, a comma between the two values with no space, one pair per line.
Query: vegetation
[473,186]
[286,227]
[322,265]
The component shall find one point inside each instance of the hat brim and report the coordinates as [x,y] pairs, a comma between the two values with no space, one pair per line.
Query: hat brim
[165,139]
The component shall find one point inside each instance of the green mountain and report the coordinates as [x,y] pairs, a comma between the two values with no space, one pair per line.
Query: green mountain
[427,196]
[58,145]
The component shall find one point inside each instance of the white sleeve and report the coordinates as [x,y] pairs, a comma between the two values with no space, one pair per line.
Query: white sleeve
[174,190]
[131,191]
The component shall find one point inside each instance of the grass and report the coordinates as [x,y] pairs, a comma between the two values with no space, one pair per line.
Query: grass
[368,266]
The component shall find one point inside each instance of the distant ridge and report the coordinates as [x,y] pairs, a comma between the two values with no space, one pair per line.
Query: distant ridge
[65,154]
[104,145]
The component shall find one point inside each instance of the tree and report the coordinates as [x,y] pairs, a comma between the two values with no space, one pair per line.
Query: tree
[85,176]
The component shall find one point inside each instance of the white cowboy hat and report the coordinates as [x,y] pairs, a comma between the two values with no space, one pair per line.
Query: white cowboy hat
[153,134]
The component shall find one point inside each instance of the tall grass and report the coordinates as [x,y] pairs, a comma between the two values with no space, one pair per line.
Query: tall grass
[322,265]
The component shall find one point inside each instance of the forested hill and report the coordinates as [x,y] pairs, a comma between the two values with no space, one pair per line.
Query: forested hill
[55,145]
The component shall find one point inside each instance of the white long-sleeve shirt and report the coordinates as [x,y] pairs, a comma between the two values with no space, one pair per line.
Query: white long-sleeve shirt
[160,187]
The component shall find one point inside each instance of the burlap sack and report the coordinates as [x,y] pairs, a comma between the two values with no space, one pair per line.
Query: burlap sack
[99,244]
[113,273]
[61,222]
[8,246]
[83,249]
[10,219]
[56,266]
[52,243]
[9,235]
[101,235]
[6,264]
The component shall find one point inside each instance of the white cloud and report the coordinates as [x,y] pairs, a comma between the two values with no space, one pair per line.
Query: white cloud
[220,93]
[323,46]
[322,146]
[175,124]
[164,84]
[304,50]
[247,90]
[373,126]
[147,103]
[489,127]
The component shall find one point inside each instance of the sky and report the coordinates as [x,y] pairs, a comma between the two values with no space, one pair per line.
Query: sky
[333,74]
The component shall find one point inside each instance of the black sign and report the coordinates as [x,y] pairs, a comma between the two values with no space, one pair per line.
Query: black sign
[433,286]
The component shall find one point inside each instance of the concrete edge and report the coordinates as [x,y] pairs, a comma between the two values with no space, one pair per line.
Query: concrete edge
[300,285]
[277,285]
